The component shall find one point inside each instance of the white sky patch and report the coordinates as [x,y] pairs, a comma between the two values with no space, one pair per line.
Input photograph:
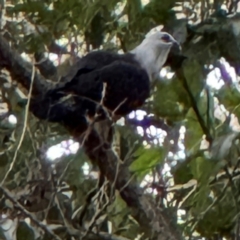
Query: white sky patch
[170,154]
[166,73]
[174,163]
[166,169]
[181,145]
[182,131]
[121,121]
[12,119]
[119,8]
[170,75]
[139,114]
[220,111]
[163,72]
[26,57]
[214,78]
[145,143]
[55,152]
[146,180]
[152,131]
[180,155]
[157,133]
[140,131]
[86,168]
[230,70]
[62,41]
[181,213]
[53,57]
[145,2]
[63,148]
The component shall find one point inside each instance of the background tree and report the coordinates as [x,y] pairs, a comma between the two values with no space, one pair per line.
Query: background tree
[190,125]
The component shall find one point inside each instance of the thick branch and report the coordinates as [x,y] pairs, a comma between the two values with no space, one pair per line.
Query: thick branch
[153,220]
[45,66]
[20,69]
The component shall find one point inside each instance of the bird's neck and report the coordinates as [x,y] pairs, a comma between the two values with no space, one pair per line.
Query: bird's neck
[151,59]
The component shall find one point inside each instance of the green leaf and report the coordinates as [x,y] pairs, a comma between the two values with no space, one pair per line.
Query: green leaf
[202,169]
[70,167]
[117,212]
[194,133]
[134,8]
[28,7]
[147,158]
[24,231]
[182,173]
[159,10]
[193,73]
[170,101]
[130,141]
[230,98]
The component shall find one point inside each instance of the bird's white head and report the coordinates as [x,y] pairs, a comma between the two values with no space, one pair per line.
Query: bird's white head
[152,53]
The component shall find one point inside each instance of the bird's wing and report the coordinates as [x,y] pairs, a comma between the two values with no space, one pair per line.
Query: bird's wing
[56,105]
[122,86]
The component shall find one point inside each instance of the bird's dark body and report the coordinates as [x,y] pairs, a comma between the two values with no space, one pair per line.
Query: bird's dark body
[126,82]
[127,86]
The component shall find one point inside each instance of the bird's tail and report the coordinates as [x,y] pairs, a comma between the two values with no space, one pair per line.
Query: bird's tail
[48,108]
[52,110]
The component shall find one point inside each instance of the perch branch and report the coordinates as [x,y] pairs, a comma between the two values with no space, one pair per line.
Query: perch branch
[152,219]
[20,70]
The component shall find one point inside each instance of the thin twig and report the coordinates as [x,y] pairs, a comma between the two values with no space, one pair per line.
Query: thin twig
[24,128]
[17,205]
[195,108]
[119,105]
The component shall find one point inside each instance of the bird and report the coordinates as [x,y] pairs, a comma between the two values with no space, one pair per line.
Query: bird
[106,84]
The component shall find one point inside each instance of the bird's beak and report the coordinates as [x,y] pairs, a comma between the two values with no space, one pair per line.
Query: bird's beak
[176,47]
[175,57]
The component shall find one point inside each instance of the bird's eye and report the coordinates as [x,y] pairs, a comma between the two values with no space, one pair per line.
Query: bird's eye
[166,38]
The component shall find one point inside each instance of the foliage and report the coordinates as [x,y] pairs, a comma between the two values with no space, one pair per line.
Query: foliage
[195,124]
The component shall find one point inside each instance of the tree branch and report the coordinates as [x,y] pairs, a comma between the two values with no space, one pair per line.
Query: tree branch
[20,69]
[45,66]
[152,219]
[18,206]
